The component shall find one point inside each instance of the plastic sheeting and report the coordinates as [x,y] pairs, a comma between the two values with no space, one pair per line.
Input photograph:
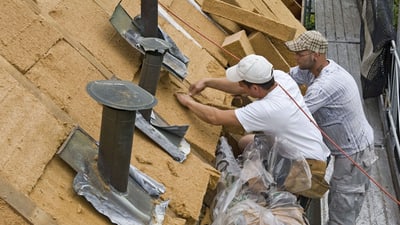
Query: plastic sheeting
[252,189]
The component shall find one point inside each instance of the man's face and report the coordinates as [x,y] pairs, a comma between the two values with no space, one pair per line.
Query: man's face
[305,59]
[248,89]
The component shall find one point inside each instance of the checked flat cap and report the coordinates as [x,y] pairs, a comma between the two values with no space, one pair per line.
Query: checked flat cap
[310,40]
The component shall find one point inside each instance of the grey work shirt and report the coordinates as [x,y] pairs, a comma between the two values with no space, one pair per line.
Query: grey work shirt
[334,100]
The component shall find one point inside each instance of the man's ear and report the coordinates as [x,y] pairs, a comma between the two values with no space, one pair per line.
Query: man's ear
[315,56]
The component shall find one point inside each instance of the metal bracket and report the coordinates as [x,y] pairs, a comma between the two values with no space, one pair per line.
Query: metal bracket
[174,61]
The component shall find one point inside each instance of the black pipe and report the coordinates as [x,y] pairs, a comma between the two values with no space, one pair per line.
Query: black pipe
[115,147]
[121,101]
[154,52]
[150,75]
[149,17]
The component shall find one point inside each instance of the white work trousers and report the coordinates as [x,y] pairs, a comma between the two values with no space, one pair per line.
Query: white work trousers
[348,187]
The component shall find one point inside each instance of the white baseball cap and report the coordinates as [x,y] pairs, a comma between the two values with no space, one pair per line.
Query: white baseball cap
[252,68]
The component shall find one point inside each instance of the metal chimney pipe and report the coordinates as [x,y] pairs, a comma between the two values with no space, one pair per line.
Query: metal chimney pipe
[154,50]
[116,138]
[150,75]
[121,100]
[149,17]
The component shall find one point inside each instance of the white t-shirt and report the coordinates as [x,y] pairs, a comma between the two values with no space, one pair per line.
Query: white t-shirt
[276,114]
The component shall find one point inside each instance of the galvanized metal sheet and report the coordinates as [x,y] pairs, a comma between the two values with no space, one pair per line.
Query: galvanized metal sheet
[135,207]
[173,60]
[175,146]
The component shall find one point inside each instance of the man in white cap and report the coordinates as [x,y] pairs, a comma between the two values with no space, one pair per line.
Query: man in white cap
[273,113]
[333,98]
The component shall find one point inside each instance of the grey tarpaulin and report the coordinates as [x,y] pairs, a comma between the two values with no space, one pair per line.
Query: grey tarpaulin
[376,33]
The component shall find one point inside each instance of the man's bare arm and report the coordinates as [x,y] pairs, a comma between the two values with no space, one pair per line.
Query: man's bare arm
[221,84]
[207,113]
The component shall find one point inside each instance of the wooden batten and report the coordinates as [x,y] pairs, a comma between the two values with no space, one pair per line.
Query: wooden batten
[294,7]
[253,20]
[238,45]
[266,48]
[285,15]
[195,18]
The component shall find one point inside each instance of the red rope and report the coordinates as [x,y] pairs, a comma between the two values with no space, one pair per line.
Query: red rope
[311,120]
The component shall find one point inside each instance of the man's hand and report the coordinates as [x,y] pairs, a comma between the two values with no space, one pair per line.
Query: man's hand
[183,98]
[208,114]
[197,87]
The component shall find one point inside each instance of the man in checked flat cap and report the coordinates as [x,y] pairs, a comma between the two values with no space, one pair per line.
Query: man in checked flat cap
[333,98]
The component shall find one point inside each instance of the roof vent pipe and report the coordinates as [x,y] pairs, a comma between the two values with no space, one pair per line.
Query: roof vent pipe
[121,100]
[154,49]
[149,14]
